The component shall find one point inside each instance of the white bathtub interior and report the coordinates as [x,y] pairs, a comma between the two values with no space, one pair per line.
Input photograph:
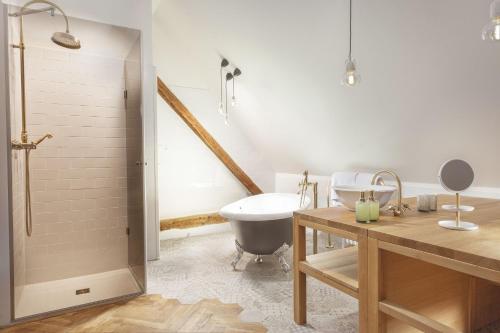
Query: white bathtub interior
[268,206]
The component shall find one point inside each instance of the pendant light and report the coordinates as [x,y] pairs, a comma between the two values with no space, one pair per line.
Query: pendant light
[236,73]
[351,76]
[491,31]
[223,64]
[229,77]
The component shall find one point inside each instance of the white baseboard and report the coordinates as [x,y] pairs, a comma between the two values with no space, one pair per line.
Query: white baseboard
[411,189]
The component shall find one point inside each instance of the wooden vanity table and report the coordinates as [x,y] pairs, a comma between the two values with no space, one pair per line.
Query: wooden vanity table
[409,274]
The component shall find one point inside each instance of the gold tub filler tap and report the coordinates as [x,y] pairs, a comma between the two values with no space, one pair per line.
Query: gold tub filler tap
[64,39]
[304,185]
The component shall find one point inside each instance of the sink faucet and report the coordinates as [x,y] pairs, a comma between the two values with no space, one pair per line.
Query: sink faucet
[400,208]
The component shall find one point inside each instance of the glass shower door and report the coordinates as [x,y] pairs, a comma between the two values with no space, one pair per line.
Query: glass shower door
[135,164]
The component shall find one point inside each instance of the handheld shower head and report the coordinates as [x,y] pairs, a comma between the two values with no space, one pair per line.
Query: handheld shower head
[67,40]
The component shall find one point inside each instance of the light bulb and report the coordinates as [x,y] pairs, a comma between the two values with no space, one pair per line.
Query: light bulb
[351,77]
[491,31]
[226,121]
[221,108]
[233,101]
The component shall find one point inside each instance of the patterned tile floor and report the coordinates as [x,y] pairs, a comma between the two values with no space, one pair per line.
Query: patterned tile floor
[195,268]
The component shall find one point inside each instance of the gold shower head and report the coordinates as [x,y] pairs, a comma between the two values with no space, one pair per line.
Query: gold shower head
[66,40]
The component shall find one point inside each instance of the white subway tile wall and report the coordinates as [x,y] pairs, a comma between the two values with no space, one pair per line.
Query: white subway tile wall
[18,185]
[78,178]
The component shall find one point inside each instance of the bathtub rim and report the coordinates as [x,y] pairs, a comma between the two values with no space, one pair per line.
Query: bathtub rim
[229,213]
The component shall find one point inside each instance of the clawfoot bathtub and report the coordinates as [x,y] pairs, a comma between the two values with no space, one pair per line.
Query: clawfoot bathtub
[263,225]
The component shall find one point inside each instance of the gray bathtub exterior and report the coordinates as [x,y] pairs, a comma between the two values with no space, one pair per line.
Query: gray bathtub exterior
[263,237]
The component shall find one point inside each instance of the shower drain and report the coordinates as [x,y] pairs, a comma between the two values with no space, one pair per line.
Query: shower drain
[82,291]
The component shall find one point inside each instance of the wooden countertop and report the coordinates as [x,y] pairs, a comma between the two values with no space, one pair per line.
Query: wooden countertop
[420,230]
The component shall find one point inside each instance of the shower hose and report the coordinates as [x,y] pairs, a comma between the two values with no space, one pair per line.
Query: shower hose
[29,222]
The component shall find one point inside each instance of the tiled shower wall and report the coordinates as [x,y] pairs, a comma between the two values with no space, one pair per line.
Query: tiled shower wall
[78,178]
[18,183]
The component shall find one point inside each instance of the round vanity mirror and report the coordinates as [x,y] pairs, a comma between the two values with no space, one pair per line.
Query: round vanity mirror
[457,176]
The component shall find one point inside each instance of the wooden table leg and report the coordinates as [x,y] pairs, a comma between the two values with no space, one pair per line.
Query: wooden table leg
[299,278]
[363,282]
[315,241]
[375,319]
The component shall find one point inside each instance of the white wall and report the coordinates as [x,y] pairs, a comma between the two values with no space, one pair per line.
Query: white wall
[5,273]
[429,87]
[191,179]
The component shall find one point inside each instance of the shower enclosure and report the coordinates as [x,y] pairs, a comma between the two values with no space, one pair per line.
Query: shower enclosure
[77,199]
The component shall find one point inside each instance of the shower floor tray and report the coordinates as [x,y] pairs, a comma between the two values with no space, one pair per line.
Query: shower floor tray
[55,295]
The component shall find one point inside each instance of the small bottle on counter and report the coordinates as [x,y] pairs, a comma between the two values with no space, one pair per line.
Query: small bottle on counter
[374,207]
[362,209]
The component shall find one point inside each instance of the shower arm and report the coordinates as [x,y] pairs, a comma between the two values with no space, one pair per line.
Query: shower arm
[24,144]
[33,11]
[25,11]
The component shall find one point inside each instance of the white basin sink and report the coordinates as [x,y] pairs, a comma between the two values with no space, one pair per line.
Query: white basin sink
[349,194]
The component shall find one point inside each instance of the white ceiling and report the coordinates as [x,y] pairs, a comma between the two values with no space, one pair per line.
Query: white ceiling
[430,87]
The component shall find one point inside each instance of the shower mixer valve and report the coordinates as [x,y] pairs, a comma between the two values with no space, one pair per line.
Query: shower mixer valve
[30,145]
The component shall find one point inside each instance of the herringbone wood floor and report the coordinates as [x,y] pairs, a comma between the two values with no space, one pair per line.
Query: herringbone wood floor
[146,314]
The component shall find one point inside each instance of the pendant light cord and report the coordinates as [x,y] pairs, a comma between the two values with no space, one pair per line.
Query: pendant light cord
[221,84]
[226,99]
[350,29]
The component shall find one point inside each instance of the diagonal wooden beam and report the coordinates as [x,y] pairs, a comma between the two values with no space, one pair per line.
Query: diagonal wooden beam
[207,139]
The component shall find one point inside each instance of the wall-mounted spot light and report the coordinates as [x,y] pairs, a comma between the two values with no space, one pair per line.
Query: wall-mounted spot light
[224,63]
[229,77]
[491,31]
[351,76]
[236,73]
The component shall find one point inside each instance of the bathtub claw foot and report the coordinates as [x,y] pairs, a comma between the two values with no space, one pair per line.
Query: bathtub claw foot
[239,254]
[280,253]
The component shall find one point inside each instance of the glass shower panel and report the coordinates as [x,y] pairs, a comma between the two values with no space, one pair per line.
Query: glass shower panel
[135,164]
[87,243]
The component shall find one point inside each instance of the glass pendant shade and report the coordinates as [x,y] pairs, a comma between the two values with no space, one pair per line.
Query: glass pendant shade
[221,108]
[351,76]
[491,31]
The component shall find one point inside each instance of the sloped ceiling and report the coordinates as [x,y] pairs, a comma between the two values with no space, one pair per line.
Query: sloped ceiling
[430,86]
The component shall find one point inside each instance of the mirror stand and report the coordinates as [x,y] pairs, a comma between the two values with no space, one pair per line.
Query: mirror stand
[458,224]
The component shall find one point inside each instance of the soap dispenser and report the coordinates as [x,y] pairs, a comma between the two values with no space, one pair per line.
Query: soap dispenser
[374,207]
[362,209]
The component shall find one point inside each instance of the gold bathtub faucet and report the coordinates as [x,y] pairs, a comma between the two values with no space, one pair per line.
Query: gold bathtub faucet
[304,185]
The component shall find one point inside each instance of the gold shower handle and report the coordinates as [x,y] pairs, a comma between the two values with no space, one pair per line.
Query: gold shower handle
[46,136]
